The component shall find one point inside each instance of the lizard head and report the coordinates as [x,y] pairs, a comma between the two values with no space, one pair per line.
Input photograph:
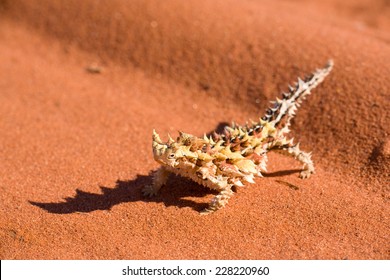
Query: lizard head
[171,153]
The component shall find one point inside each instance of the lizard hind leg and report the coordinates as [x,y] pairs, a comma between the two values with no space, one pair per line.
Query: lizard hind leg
[304,157]
[219,201]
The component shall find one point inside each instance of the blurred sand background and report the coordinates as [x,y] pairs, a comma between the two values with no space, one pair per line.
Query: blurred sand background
[83,83]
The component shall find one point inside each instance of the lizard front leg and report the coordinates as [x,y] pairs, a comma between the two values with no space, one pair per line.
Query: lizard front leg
[219,201]
[160,177]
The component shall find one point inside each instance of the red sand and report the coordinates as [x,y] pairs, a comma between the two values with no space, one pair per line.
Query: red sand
[75,146]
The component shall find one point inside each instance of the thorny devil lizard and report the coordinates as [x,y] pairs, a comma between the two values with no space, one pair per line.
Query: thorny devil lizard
[222,161]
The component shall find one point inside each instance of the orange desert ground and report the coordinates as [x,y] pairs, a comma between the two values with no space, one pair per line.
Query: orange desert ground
[84,83]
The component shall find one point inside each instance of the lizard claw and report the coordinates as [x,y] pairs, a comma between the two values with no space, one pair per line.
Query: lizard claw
[149,190]
[305,174]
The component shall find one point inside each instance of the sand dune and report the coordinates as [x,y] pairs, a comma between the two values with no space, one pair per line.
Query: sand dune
[83,85]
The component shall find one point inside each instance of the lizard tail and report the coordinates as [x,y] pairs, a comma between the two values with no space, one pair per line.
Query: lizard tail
[293,98]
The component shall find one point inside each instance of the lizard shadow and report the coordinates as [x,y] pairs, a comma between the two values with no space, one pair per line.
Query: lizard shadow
[173,194]
[178,192]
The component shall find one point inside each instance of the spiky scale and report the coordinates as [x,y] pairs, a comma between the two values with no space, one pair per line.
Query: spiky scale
[221,161]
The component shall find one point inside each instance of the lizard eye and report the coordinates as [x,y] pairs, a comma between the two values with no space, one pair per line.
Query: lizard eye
[171,156]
